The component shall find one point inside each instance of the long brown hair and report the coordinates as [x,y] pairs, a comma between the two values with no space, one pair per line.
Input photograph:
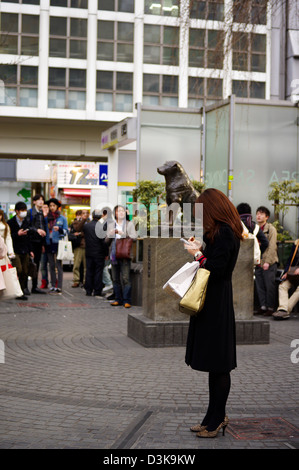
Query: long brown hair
[217,209]
[5,224]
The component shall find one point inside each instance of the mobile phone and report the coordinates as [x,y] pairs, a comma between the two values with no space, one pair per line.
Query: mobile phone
[185,241]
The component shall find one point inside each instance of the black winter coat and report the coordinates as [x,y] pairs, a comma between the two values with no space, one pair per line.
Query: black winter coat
[94,246]
[211,342]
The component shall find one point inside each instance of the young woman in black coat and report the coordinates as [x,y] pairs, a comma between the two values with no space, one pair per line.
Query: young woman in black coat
[211,342]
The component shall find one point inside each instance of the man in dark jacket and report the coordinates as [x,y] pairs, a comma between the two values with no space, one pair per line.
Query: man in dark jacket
[37,223]
[95,251]
[20,234]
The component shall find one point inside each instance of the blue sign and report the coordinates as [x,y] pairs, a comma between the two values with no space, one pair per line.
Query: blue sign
[103,175]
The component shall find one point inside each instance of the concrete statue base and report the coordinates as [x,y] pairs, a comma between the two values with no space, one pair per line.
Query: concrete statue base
[160,323]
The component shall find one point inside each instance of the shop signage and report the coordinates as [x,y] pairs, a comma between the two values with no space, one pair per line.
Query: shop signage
[78,175]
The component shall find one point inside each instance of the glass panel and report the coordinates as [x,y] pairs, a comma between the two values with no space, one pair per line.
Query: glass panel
[105,80]
[196,86]
[171,36]
[240,88]
[257,90]
[150,100]
[215,60]
[170,84]
[57,26]
[105,51]
[29,45]
[125,32]
[57,48]
[10,97]
[170,56]
[77,100]
[104,102]
[198,10]
[169,101]
[197,38]
[56,99]
[217,139]
[214,87]
[215,11]
[29,75]
[30,24]
[240,61]
[171,7]
[126,5]
[125,53]
[77,78]
[9,22]
[151,83]
[151,55]
[9,44]
[123,102]
[56,77]
[79,27]
[258,63]
[152,34]
[58,3]
[78,49]
[8,74]
[106,5]
[124,81]
[258,43]
[106,30]
[196,58]
[152,8]
[28,97]
[31,2]
[259,12]
[262,135]
[195,103]
[79,3]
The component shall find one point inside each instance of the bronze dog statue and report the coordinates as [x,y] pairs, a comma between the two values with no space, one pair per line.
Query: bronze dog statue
[179,188]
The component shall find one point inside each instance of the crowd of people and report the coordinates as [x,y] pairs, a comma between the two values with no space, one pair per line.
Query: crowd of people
[32,237]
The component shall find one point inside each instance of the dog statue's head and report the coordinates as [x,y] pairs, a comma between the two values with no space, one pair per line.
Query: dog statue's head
[170,167]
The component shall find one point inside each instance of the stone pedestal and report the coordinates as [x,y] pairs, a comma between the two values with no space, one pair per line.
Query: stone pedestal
[162,324]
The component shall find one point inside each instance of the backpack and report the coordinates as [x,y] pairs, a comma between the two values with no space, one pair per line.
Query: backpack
[256,246]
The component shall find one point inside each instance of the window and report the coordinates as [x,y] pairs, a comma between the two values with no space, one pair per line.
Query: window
[68,37]
[20,85]
[115,41]
[116,5]
[207,10]
[160,90]
[162,7]
[161,45]
[206,48]
[250,11]
[19,34]
[28,2]
[114,91]
[67,88]
[248,89]
[202,91]
[69,3]
[249,52]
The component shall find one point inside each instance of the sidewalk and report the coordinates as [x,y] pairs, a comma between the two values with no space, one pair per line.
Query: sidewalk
[72,379]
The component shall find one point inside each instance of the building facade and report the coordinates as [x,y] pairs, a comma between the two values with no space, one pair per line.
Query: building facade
[71,68]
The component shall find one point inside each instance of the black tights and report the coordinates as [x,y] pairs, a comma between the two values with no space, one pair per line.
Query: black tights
[219,387]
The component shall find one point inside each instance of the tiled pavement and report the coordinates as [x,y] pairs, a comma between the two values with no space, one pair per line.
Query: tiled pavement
[72,379]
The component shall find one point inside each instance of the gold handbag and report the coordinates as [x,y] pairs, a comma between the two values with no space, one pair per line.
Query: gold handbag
[194,299]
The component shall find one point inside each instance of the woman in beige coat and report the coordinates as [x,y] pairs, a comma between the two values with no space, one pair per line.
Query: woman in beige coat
[5,234]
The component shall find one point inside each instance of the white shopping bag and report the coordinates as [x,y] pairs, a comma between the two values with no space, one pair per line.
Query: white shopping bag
[12,285]
[179,283]
[65,250]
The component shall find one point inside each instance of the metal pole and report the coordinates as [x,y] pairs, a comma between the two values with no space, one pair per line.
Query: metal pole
[231,147]
[138,124]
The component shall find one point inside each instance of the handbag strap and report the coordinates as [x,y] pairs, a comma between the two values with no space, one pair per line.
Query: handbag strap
[293,255]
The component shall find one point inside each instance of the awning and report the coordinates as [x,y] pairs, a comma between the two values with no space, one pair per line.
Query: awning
[76,192]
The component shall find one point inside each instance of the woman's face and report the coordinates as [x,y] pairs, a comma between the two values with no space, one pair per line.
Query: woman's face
[0,216]
[53,207]
[120,213]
